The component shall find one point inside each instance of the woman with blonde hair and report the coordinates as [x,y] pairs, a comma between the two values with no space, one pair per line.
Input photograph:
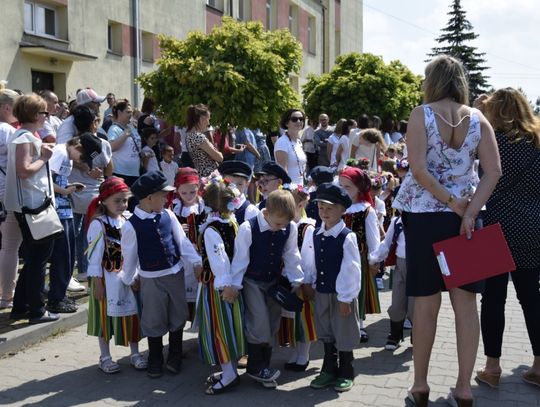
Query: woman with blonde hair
[440,198]
[515,205]
[369,143]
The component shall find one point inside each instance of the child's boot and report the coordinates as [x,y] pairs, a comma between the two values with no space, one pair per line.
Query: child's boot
[329,370]
[174,358]
[345,379]
[155,357]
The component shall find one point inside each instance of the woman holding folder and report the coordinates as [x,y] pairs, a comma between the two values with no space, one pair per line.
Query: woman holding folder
[515,204]
[440,198]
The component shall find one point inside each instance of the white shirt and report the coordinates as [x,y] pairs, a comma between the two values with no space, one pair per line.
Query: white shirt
[348,281]
[170,170]
[291,255]
[152,164]
[334,141]
[59,163]
[251,210]
[6,132]
[345,144]
[50,127]
[396,136]
[373,237]
[384,248]
[295,156]
[131,269]
[307,139]
[380,210]
[126,159]
[66,131]
[220,264]
[183,211]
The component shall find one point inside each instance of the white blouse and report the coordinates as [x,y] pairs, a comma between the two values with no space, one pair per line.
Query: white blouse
[296,158]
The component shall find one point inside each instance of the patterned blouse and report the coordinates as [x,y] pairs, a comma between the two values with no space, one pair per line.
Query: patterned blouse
[202,161]
[453,168]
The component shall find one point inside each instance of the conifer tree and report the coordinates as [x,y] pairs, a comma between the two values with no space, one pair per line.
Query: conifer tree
[454,39]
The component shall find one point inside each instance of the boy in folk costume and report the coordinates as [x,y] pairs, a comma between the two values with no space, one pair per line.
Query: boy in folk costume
[155,249]
[239,173]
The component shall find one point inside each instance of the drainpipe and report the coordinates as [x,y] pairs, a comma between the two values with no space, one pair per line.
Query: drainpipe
[323,10]
[137,67]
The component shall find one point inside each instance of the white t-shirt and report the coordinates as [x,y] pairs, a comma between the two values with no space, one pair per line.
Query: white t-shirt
[66,131]
[50,127]
[170,170]
[380,210]
[152,164]
[334,141]
[345,144]
[307,139]
[295,157]
[126,159]
[6,132]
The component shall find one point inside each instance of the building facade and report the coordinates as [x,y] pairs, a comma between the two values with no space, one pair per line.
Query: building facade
[65,45]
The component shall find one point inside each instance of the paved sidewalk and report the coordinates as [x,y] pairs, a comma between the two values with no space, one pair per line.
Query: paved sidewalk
[62,371]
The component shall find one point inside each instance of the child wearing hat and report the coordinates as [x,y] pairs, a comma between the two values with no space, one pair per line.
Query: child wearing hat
[331,261]
[188,207]
[269,178]
[62,260]
[155,249]
[264,250]
[319,175]
[239,173]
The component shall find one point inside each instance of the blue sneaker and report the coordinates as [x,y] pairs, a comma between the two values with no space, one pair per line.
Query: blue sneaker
[265,375]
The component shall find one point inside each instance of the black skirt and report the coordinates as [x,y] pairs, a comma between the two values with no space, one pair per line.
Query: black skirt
[424,276]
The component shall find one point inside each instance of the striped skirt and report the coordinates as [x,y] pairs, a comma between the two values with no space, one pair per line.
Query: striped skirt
[368,299]
[221,327]
[123,329]
[301,328]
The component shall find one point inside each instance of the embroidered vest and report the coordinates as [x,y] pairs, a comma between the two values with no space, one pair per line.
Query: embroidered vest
[328,258]
[227,233]
[240,213]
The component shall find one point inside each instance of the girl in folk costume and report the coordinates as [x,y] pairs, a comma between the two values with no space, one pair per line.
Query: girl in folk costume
[219,306]
[188,207]
[361,218]
[112,307]
[298,329]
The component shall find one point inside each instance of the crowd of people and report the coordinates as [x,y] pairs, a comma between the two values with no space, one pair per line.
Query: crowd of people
[270,240]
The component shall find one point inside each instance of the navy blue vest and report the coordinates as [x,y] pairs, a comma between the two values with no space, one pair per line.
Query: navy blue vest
[328,258]
[266,252]
[240,213]
[156,246]
[262,204]
[312,209]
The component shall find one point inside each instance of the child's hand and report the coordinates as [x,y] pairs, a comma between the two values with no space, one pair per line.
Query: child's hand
[308,291]
[197,270]
[374,269]
[136,285]
[185,226]
[344,309]
[99,289]
[229,294]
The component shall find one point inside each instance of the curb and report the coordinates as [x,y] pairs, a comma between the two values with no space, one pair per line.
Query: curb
[18,339]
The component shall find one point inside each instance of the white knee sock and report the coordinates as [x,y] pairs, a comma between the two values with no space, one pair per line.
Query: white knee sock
[134,347]
[361,324]
[302,349]
[104,348]
[228,375]
[294,354]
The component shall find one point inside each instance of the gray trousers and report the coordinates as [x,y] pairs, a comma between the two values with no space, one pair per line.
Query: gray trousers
[332,327]
[164,307]
[402,305]
[262,313]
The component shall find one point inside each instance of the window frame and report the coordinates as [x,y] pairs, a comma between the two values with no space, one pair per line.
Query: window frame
[35,6]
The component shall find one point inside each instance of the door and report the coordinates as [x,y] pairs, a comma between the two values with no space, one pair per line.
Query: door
[42,81]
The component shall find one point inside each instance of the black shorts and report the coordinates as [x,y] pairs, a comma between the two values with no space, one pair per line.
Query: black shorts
[424,276]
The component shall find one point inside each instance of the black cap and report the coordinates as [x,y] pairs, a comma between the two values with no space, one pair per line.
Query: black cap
[321,174]
[91,148]
[149,183]
[333,194]
[236,168]
[273,168]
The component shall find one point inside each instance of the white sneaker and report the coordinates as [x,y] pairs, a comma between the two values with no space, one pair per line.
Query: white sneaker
[407,324]
[75,286]
[6,304]
[82,277]
[380,283]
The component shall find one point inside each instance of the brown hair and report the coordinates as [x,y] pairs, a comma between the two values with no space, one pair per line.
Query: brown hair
[286,116]
[389,165]
[299,196]
[217,196]
[27,107]
[445,78]
[281,203]
[509,111]
[374,136]
[120,106]
[194,114]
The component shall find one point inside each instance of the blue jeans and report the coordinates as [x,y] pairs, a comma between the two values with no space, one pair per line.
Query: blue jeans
[81,243]
[62,262]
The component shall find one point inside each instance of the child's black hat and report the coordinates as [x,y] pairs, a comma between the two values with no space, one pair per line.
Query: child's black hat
[321,174]
[333,194]
[149,183]
[236,168]
[273,168]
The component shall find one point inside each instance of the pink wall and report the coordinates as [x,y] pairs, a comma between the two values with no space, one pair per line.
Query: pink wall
[338,15]
[303,22]
[258,11]
[213,17]
[282,14]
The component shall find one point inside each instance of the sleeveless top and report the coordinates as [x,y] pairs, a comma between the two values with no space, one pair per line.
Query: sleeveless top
[453,168]
[357,223]
[227,233]
[112,260]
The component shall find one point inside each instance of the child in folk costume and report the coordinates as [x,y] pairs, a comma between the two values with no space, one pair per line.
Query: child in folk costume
[112,307]
[155,250]
[220,307]
[319,175]
[188,207]
[265,249]
[239,173]
[360,217]
[297,329]
[269,178]
[332,263]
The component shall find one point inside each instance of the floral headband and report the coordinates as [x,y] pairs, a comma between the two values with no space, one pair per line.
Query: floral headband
[294,187]
[216,178]
[402,165]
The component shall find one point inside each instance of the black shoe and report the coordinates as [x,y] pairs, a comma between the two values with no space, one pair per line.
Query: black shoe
[212,391]
[174,362]
[363,336]
[295,367]
[46,317]
[154,370]
[69,300]
[62,307]
[155,357]
[18,315]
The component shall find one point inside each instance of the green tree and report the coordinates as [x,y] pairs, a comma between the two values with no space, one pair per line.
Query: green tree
[240,70]
[362,83]
[456,35]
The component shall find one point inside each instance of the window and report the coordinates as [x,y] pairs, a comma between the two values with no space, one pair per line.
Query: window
[312,35]
[147,40]
[40,19]
[244,10]
[217,4]
[293,20]
[270,15]
[114,37]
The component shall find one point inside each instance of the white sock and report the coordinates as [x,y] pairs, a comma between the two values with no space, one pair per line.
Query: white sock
[228,375]
[104,348]
[134,347]
[294,354]
[302,348]
[361,324]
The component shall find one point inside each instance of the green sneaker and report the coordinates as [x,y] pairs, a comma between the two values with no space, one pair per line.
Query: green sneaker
[323,380]
[343,385]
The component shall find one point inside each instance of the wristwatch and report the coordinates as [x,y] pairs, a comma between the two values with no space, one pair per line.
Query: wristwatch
[450,199]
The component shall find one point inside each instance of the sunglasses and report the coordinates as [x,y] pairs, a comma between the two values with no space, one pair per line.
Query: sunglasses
[295,119]
[265,182]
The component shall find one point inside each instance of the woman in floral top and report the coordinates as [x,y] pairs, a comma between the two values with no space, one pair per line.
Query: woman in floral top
[440,198]
[205,156]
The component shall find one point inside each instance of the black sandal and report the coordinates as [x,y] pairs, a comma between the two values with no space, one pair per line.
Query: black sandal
[214,378]
[212,391]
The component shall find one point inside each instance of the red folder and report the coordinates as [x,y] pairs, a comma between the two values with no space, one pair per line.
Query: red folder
[464,261]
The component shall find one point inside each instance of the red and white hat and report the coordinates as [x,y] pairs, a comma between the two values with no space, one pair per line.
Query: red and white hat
[89,95]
